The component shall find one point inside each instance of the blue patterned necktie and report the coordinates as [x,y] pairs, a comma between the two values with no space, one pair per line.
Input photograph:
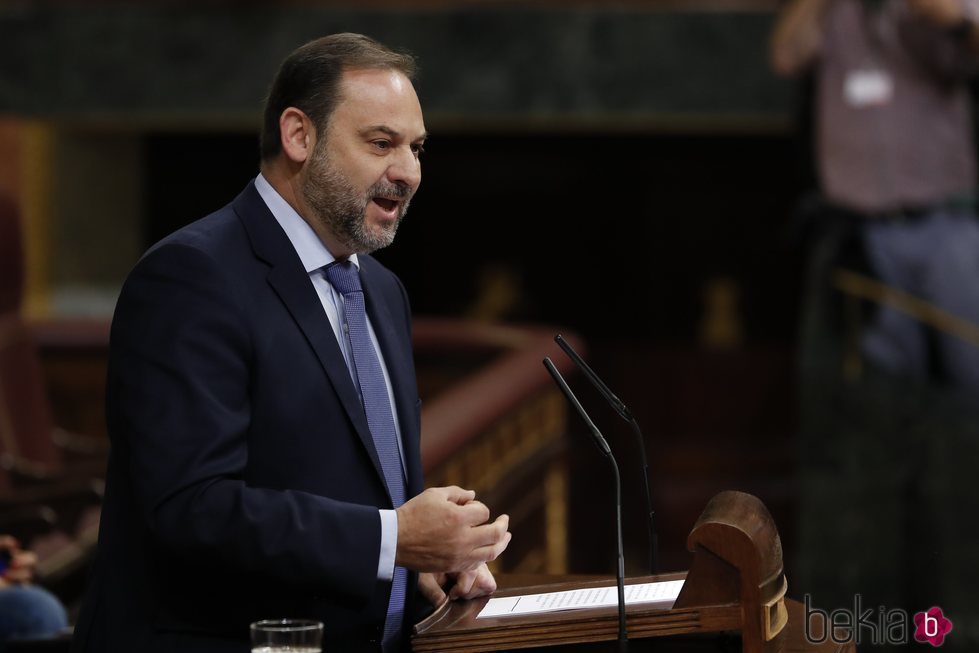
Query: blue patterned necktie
[343,276]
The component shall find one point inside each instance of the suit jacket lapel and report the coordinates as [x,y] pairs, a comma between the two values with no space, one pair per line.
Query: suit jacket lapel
[291,283]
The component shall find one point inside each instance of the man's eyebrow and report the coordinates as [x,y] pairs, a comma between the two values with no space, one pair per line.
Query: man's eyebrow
[393,133]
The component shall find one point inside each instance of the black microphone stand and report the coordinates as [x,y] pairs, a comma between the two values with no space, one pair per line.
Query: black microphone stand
[625,414]
[623,641]
[651,519]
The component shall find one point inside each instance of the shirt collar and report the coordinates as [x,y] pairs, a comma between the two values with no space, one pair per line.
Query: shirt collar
[312,252]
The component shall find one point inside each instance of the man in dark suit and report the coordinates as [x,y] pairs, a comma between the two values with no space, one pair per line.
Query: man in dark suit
[262,401]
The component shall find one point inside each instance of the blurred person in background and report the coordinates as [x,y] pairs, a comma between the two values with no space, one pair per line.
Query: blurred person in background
[885,452]
[895,148]
[26,611]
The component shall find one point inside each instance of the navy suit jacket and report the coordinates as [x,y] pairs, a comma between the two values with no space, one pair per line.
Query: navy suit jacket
[243,482]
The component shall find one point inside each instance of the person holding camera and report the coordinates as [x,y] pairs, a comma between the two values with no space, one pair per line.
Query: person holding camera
[895,152]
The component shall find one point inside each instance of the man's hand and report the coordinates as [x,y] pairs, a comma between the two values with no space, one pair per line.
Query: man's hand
[430,585]
[468,585]
[797,36]
[473,584]
[20,569]
[943,13]
[445,530]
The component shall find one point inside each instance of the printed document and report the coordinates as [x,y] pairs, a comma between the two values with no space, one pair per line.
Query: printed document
[663,592]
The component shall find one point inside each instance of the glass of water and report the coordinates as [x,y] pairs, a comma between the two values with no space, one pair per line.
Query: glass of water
[287,636]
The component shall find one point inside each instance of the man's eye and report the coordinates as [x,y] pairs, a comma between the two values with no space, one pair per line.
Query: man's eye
[382,145]
[418,149]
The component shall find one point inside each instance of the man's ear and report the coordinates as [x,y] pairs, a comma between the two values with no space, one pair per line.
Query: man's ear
[297,133]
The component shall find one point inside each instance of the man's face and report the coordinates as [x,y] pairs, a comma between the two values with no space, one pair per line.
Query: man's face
[365,169]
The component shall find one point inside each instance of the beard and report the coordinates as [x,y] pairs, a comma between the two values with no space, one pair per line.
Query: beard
[339,207]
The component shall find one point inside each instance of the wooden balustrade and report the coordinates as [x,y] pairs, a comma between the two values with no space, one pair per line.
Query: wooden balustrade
[499,430]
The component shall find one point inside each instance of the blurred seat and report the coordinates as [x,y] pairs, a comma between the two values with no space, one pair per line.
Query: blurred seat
[50,479]
[59,521]
[32,449]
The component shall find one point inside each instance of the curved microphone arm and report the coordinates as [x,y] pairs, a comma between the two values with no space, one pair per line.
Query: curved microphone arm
[625,414]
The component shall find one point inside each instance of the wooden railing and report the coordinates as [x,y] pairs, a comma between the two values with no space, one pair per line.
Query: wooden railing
[499,429]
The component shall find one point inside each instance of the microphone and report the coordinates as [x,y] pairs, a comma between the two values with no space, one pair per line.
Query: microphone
[603,446]
[624,413]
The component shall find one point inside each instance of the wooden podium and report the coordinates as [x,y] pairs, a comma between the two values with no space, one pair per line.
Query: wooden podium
[735,590]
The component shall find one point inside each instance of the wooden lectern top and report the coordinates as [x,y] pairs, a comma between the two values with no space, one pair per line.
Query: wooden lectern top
[738,561]
[454,626]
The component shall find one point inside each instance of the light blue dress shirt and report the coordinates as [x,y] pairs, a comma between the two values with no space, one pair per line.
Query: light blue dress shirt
[315,256]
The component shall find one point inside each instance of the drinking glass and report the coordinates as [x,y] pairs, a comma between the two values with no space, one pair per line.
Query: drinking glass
[287,636]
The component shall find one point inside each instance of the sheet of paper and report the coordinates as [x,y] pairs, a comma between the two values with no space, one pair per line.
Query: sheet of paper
[664,592]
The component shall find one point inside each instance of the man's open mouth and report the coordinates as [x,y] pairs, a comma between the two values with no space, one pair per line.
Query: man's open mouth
[386,204]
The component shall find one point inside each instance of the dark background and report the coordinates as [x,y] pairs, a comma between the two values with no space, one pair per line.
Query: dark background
[605,166]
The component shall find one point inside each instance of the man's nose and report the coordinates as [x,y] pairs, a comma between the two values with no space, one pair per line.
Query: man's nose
[406,169]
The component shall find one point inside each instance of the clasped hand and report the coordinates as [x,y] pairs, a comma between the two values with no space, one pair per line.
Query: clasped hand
[446,532]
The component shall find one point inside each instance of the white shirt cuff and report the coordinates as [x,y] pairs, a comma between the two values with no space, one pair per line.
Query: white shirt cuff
[389,544]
